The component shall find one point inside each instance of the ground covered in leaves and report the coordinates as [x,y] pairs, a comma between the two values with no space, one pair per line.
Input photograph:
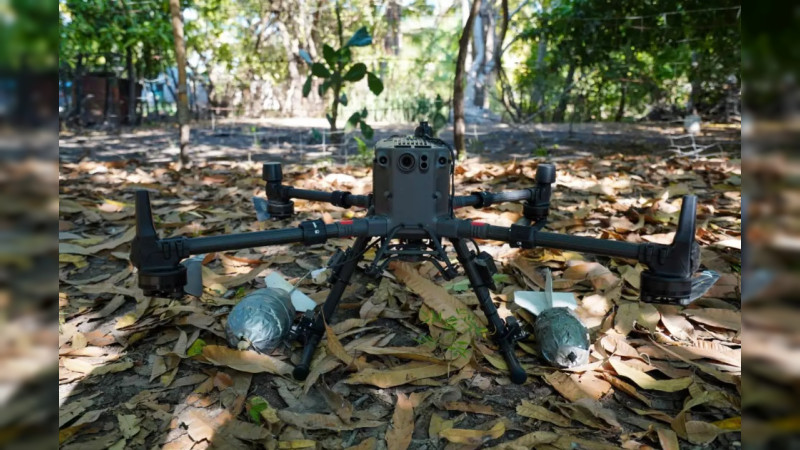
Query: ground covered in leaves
[405,363]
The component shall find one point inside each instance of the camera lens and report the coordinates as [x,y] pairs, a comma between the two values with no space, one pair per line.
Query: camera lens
[406,162]
[442,160]
[423,166]
[383,160]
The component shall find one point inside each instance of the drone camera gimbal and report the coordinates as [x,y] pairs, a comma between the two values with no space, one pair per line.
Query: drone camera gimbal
[409,215]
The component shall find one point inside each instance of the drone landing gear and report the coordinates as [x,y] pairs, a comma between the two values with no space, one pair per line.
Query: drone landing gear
[479,269]
[341,273]
[505,334]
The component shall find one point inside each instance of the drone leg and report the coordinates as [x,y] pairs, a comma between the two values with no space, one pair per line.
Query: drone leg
[340,279]
[504,333]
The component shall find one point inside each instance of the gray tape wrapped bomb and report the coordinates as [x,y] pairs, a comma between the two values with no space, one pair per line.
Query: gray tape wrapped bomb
[261,320]
[562,338]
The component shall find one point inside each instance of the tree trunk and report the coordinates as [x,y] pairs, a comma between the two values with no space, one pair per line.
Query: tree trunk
[621,109]
[484,44]
[558,115]
[180,59]
[394,36]
[131,87]
[79,89]
[459,127]
[336,137]
[694,96]
[537,95]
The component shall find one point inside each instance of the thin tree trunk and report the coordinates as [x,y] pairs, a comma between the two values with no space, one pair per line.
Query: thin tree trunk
[459,127]
[180,59]
[79,89]
[694,96]
[131,87]
[537,95]
[621,109]
[558,115]
[335,136]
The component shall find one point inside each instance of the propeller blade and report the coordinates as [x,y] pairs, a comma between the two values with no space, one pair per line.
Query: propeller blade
[260,206]
[194,275]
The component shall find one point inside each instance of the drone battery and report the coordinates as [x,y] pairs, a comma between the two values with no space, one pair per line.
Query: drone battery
[411,180]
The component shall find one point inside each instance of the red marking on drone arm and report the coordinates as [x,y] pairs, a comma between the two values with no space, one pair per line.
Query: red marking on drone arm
[478,224]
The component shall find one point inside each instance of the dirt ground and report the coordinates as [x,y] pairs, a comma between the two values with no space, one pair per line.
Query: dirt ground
[293,141]
[131,377]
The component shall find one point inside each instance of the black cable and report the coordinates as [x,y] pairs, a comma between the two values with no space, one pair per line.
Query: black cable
[359,255]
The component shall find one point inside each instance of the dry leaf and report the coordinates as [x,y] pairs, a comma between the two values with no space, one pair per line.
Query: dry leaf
[413,353]
[438,424]
[312,421]
[590,412]
[470,407]
[367,444]
[716,317]
[399,435]
[339,404]
[528,409]
[298,444]
[337,349]
[668,439]
[677,325]
[528,441]
[406,373]
[436,297]
[646,381]
[473,437]
[701,433]
[575,386]
[245,361]
[626,316]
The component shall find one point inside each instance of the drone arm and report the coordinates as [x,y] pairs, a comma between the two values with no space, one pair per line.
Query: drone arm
[670,266]
[279,196]
[537,198]
[336,198]
[159,260]
[485,199]
[309,232]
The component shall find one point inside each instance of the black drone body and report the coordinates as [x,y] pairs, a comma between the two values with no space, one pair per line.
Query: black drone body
[409,217]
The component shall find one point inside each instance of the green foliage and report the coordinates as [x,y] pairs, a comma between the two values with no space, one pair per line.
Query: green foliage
[433,111]
[364,154]
[256,405]
[628,56]
[337,70]
[196,348]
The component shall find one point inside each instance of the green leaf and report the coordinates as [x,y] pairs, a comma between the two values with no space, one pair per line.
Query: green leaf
[307,87]
[459,286]
[375,83]
[354,119]
[501,278]
[344,55]
[323,88]
[362,146]
[329,54]
[319,70]
[364,113]
[196,348]
[330,118]
[366,130]
[343,99]
[257,404]
[360,38]
[306,57]
[356,72]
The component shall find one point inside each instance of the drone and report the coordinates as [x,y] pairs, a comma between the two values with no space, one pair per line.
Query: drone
[410,216]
